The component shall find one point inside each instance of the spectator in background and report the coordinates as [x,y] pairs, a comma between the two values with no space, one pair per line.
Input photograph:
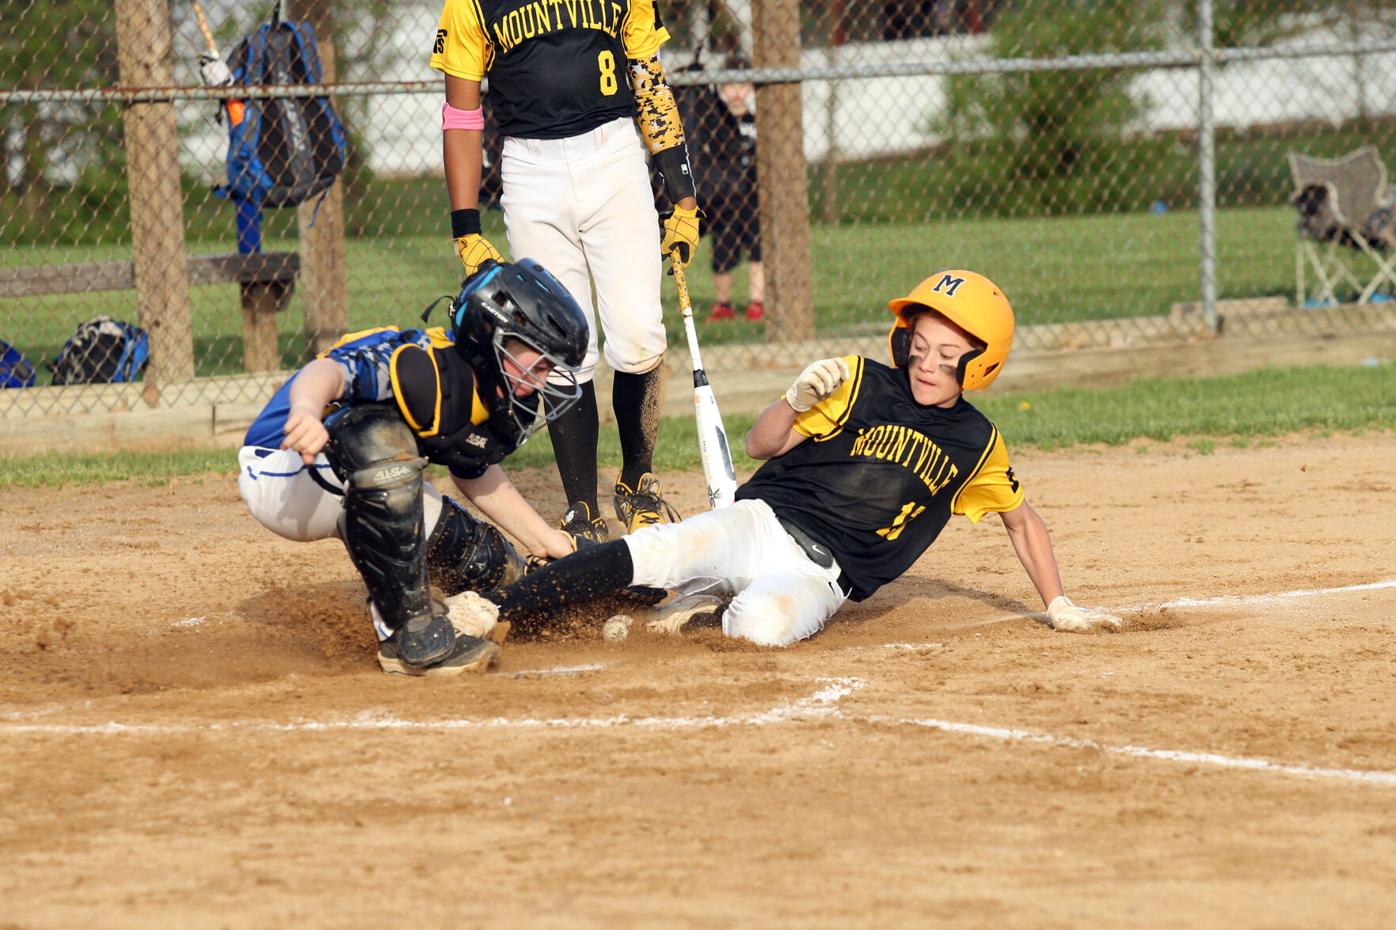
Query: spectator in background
[728,160]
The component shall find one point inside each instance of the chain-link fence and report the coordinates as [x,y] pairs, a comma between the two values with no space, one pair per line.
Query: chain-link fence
[1120,167]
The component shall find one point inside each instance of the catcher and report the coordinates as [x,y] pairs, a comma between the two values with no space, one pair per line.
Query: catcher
[342,447]
[865,466]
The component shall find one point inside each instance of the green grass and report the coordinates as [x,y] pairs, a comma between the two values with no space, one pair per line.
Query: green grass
[1054,270]
[1243,409]
[58,469]
[1268,402]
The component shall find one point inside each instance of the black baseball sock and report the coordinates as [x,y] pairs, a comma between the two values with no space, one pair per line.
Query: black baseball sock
[574,446]
[636,400]
[530,603]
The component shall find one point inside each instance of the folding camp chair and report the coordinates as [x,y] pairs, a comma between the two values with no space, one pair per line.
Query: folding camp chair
[1345,211]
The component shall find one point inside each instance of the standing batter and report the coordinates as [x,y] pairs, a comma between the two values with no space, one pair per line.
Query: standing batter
[866,465]
[568,81]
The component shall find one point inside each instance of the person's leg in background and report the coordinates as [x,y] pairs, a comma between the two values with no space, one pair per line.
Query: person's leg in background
[756,272]
[723,258]
[619,229]
[539,211]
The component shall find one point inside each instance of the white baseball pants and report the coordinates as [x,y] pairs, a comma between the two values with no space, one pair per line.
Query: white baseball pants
[583,207]
[280,494]
[782,596]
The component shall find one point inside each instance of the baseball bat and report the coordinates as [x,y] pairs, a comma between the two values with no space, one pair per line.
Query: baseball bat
[713,451]
[236,108]
[208,33]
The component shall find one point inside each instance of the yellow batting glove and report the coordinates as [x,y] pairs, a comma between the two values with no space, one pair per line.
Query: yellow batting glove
[682,227]
[474,250]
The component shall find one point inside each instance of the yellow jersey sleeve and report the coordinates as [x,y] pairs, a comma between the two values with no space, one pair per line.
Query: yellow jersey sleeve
[825,419]
[643,32]
[992,488]
[461,48]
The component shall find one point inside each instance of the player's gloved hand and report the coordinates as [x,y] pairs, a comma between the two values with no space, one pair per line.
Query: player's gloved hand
[474,250]
[816,382]
[682,227]
[1066,617]
[214,71]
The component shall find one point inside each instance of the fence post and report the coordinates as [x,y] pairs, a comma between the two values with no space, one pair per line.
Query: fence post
[1207,167]
[324,291]
[157,205]
[781,174]
[829,204]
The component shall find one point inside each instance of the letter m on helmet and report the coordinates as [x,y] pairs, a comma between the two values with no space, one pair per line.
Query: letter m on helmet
[948,284]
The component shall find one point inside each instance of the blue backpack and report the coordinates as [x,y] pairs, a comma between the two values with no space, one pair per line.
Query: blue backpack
[286,149]
[102,351]
[15,370]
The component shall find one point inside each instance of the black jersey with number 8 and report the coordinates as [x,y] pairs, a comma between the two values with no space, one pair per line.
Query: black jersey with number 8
[556,68]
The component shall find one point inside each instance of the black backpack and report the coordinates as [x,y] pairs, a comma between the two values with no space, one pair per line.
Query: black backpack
[286,149]
[102,351]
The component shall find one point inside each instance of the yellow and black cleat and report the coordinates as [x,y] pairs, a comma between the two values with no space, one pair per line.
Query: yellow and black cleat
[642,506]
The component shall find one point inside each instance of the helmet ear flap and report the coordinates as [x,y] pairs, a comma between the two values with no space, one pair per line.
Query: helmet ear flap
[900,343]
[963,366]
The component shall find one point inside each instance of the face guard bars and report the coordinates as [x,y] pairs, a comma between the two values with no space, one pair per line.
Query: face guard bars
[558,388]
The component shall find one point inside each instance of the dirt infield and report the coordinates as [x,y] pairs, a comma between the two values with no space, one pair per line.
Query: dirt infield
[194,732]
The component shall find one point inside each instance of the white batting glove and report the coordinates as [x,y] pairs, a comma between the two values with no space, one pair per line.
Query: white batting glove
[816,382]
[214,71]
[1066,617]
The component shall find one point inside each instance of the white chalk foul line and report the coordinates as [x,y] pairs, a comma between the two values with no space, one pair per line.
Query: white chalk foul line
[555,670]
[1225,600]
[1237,600]
[822,703]
[1168,755]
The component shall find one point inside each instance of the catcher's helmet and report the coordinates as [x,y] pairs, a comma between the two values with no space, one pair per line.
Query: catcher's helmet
[520,300]
[973,303]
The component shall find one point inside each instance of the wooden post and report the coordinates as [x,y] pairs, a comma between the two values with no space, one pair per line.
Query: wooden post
[324,289]
[780,163]
[261,302]
[157,207]
[829,205]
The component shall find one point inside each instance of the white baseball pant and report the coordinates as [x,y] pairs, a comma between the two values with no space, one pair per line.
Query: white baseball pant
[782,596]
[280,494]
[584,208]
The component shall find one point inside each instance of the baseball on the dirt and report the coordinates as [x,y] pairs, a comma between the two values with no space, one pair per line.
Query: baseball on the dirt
[616,629]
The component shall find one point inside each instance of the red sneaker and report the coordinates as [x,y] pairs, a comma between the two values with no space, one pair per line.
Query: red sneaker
[755,311]
[723,311]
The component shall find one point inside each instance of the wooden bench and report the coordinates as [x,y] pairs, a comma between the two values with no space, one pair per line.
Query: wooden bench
[265,281]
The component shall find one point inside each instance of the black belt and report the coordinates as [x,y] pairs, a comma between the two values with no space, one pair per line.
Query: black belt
[818,553]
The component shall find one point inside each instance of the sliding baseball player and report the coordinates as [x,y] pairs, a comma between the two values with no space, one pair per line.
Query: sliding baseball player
[865,465]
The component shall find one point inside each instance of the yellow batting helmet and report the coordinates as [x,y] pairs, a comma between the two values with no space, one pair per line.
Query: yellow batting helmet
[973,303]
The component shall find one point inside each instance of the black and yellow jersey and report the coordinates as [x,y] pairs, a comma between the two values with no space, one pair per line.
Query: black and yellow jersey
[881,475]
[556,68]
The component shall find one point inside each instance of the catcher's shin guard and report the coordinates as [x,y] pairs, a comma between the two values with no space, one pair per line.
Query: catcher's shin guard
[375,454]
[465,554]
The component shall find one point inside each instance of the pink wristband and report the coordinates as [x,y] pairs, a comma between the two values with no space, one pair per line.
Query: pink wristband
[451,118]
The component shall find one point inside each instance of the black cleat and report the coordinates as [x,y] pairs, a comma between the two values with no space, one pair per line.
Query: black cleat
[430,645]
[582,526]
